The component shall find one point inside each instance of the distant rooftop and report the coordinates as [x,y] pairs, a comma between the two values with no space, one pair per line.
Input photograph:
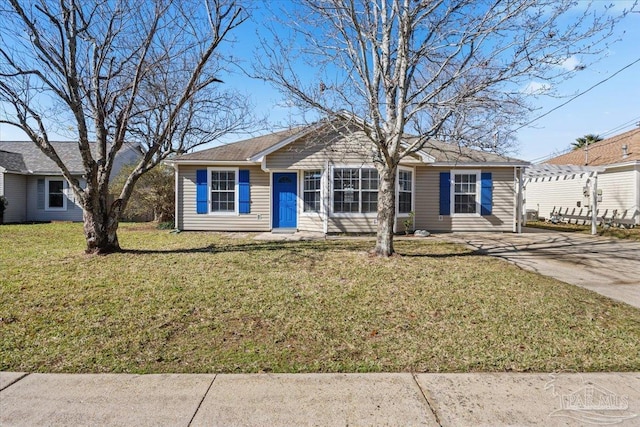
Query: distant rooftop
[617,149]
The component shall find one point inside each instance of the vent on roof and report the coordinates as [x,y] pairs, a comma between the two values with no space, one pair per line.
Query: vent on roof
[625,152]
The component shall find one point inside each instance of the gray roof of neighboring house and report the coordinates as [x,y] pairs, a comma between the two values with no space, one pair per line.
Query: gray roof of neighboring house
[35,161]
[242,150]
[12,162]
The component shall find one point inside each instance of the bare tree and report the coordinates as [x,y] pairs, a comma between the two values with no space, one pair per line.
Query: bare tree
[110,72]
[452,70]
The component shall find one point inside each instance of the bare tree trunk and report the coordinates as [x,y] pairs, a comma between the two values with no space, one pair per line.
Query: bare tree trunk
[101,225]
[386,211]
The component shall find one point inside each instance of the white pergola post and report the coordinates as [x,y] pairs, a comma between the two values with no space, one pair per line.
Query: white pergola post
[594,205]
[521,208]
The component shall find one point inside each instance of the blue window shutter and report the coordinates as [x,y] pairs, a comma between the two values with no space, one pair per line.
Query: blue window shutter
[201,191]
[40,202]
[244,192]
[445,193]
[486,194]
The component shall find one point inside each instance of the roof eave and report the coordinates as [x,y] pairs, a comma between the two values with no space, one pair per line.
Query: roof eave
[482,164]
[212,162]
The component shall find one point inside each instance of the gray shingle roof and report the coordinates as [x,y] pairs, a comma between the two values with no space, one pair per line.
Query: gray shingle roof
[241,150]
[453,153]
[35,161]
[12,162]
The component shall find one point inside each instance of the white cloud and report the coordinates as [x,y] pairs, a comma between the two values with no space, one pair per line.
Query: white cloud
[536,88]
[571,63]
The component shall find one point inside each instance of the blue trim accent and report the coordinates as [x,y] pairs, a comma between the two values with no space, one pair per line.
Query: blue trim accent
[201,192]
[486,194]
[244,192]
[445,193]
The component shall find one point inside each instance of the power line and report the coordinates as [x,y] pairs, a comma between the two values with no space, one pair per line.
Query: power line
[578,95]
[631,122]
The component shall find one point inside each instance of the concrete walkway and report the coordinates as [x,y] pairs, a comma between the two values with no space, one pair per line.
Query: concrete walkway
[608,266]
[405,399]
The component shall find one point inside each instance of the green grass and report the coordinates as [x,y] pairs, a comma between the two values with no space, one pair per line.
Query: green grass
[205,302]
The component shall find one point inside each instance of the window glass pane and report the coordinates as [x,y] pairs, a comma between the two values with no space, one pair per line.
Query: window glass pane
[56,194]
[56,201]
[223,187]
[311,197]
[369,201]
[464,188]
[404,202]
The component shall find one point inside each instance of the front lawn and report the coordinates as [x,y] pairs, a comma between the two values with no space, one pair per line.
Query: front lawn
[204,302]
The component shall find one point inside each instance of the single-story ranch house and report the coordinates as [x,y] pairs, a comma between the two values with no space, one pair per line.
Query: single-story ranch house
[322,178]
[34,186]
[618,181]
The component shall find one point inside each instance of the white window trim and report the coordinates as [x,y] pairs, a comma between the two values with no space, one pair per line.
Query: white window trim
[331,190]
[236,201]
[413,191]
[452,193]
[64,194]
[323,177]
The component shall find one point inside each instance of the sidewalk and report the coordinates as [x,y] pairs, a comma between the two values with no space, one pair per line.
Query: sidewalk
[320,399]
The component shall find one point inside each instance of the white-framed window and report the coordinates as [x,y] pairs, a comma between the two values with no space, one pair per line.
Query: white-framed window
[465,192]
[55,197]
[355,190]
[311,194]
[405,191]
[223,190]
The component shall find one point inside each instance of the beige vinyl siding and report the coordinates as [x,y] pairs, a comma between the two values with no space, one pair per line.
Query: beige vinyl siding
[72,213]
[15,190]
[314,151]
[544,194]
[354,224]
[427,203]
[310,222]
[258,220]
[619,192]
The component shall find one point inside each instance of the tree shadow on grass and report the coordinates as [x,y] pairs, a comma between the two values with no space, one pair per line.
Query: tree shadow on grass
[320,246]
[265,246]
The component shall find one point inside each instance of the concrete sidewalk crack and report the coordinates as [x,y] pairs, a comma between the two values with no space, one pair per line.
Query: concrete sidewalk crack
[14,381]
[202,400]
[426,399]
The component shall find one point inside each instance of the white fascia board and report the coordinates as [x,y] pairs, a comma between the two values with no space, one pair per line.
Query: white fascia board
[623,165]
[214,162]
[481,164]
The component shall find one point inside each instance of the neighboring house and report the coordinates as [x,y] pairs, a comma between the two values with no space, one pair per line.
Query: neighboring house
[34,186]
[322,178]
[618,183]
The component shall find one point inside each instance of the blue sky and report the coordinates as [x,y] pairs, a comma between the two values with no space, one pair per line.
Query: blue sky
[599,111]
[603,110]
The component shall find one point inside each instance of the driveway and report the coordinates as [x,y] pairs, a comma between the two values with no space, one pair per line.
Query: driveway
[608,266]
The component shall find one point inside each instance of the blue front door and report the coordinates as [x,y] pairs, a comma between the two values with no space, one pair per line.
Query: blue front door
[284,200]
